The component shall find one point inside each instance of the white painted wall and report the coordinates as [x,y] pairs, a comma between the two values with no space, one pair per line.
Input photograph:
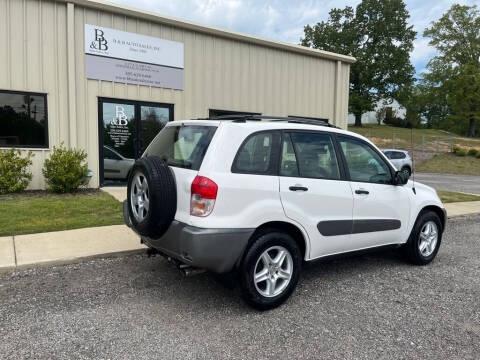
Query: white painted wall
[371,116]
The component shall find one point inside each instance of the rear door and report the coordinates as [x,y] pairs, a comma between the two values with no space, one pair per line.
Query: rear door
[183,146]
[381,210]
[314,192]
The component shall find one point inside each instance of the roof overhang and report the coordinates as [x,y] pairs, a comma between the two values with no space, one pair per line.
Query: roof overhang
[183,24]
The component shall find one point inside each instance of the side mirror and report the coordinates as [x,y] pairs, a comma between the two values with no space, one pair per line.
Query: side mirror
[400,178]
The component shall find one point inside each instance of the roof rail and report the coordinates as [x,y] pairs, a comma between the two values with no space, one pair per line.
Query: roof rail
[289,119]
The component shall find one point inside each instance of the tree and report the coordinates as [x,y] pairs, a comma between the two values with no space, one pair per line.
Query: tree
[454,72]
[377,35]
[464,97]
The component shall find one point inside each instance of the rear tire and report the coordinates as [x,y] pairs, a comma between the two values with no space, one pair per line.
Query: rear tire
[424,241]
[407,170]
[270,270]
[151,196]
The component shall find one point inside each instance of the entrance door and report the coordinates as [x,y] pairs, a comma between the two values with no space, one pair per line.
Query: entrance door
[126,128]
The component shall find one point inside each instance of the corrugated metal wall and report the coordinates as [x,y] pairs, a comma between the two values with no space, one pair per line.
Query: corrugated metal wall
[219,73]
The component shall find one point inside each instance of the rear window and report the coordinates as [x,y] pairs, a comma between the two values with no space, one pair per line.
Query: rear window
[182,146]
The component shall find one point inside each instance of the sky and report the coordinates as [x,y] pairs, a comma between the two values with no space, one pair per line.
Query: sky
[284,20]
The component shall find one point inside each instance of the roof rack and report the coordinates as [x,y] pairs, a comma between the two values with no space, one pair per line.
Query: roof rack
[289,119]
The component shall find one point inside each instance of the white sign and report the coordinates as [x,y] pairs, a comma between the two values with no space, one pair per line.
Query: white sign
[129,46]
[130,72]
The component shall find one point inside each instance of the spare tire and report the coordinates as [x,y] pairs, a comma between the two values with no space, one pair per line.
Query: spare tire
[151,196]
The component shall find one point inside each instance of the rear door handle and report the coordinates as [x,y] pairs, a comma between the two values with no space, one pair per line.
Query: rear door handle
[362,192]
[298,188]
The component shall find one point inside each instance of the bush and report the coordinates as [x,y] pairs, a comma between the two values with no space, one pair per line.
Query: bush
[66,170]
[456,148]
[478,155]
[14,174]
[461,152]
[473,152]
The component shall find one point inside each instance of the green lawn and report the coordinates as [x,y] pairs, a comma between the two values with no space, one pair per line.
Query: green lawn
[383,136]
[34,212]
[451,164]
[451,196]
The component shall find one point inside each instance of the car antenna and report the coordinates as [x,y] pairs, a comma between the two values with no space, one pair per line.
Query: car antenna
[413,161]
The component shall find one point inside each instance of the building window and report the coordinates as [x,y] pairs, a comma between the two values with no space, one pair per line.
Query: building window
[23,119]
[213,113]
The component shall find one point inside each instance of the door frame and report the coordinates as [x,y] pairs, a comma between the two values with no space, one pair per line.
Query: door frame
[138,127]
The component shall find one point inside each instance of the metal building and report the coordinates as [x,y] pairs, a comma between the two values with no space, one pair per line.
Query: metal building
[105,78]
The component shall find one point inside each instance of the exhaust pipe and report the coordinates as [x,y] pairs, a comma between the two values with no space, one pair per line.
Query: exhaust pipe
[189,271]
[185,269]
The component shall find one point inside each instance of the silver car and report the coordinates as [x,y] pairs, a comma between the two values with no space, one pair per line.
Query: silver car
[115,165]
[401,159]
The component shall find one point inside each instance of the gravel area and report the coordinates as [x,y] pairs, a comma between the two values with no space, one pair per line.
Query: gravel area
[367,307]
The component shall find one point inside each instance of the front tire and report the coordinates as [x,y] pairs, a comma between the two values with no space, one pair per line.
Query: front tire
[270,270]
[424,241]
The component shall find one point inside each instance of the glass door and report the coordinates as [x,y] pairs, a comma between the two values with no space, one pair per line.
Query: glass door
[152,119]
[119,140]
[126,128]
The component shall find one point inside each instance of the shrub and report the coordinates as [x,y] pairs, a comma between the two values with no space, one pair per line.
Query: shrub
[473,152]
[456,148]
[66,170]
[461,152]
[478,155]
[14,174]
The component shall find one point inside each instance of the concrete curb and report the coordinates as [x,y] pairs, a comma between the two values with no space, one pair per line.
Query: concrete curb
[462,208]
[66,247]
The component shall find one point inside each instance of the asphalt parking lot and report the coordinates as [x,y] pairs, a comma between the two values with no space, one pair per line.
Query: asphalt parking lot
[451,182]
[372,306]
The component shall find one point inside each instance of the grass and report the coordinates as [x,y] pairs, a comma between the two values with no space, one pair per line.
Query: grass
[451,164]
[33,212]
[452,196]
[383,136]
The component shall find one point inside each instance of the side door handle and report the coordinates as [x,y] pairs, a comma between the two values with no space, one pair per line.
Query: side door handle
[298,188]
[362,192]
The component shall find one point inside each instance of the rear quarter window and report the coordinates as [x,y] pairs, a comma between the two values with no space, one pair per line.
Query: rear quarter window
[257,154]
[182,146]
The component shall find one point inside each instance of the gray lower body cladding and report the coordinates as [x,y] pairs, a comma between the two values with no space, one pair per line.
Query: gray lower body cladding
[216,250]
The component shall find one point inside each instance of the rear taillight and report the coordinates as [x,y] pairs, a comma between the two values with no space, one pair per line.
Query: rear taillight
[204,194]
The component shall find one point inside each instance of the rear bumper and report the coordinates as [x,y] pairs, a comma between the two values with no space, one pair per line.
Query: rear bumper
[216,250]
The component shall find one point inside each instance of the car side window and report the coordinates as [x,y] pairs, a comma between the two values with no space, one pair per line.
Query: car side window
[255,156]
[364,164]
[399,155]
[288,162]
[309,155]
[388,154]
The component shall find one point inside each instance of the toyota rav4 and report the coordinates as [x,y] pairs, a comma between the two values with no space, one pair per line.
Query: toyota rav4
[259,196]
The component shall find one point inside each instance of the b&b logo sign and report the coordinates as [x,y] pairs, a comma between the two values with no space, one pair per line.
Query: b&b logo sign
[100,42]
[120,119]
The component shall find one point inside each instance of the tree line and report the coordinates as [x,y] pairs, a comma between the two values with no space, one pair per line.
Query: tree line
[446,95]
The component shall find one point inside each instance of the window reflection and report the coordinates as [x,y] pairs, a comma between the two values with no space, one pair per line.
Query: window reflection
[23,119]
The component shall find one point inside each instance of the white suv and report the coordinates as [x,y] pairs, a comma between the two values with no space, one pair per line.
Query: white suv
[257,196]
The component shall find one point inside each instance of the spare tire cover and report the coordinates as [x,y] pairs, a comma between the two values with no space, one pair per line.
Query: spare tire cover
[151,196]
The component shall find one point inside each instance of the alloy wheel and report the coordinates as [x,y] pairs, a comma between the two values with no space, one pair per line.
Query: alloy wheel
[428,238]
[273,271]
[139,196]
